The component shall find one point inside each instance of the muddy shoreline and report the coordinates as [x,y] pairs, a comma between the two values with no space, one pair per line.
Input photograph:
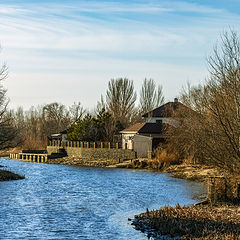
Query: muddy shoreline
[7,176]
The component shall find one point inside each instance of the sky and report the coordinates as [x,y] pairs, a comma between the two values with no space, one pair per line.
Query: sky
[67,50]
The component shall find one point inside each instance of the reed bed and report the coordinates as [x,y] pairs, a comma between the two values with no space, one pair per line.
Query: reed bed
[160,162]
[191,222]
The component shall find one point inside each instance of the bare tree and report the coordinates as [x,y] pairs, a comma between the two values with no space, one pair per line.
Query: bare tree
[151,96]
[120,100]
[76,112]
[212,134]
[56,118]
[8,130]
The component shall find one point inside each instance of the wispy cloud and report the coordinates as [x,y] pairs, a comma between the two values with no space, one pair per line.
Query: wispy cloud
[101,40]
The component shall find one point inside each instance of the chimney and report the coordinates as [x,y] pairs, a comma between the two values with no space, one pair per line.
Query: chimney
[175,100]
[150,114]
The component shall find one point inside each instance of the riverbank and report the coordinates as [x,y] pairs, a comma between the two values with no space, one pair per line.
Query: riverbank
[7,176]
[191,222]
[192,172]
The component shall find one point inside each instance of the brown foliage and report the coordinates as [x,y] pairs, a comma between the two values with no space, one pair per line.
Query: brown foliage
[211,133]
[32,142]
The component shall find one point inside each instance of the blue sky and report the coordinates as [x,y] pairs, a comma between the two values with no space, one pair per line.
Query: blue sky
[67,51]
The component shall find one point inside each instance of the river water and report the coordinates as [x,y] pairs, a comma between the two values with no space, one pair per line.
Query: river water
[64,202]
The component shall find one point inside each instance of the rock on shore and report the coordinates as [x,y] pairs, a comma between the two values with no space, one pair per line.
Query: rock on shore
[7,175]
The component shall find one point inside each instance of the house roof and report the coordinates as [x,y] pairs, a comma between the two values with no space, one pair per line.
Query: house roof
[64,132]
[133,129]
[154,128]
[147,128]
[166,110]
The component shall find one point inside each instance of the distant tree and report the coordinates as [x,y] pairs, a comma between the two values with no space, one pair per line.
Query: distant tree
[91,128]
[76,112]
[120,100]
[82,130]
[151,96]
[8,130]
[56,118]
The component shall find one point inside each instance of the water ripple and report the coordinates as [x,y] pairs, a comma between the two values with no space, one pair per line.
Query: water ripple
[64,202]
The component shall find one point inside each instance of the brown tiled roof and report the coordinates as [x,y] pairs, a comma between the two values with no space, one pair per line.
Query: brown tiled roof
[154,128]
[166,110]
[134,128]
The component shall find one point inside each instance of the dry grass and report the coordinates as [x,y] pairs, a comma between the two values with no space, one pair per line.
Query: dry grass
[192,222]
[161,161]
[168,158]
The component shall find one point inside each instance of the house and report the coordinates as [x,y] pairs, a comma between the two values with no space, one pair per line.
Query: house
[165,113]
[145,137]
[62,136]
[128,135]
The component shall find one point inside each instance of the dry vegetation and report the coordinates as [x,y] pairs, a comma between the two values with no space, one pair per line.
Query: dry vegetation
[211,133]
[160,162]
[191,222]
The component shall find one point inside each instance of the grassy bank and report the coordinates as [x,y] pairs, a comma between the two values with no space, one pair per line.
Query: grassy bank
[7,175]
[193,172]
[191,222]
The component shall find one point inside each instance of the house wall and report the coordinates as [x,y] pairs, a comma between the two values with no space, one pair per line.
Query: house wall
[142,145]
[170,121]
[127,138]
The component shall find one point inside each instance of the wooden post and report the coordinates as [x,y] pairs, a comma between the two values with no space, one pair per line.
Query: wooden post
[109,145]
[101,144]
[216,189]
[94,145]
[116,145]
[87,144]
[81,144]
[149,155]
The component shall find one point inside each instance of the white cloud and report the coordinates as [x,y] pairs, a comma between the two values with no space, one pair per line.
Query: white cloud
[70,49]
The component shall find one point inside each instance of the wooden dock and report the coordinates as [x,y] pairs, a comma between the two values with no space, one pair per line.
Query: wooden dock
[30,157]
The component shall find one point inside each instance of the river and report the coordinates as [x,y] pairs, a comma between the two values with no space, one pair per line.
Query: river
[65,202]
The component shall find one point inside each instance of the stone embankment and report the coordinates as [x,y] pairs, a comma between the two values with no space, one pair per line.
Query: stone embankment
[85,162]
[191,222]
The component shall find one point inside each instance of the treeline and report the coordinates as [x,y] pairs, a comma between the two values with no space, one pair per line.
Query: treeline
[114,112]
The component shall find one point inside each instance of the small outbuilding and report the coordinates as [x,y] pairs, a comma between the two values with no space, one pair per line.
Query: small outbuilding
[62,136]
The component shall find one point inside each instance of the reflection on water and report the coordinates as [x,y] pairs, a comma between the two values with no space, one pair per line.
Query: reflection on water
[63,202]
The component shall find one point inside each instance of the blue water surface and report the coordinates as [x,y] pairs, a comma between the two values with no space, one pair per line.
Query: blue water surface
[64,202]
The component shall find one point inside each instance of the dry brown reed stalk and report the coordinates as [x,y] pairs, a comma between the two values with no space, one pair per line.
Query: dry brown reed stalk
[192,222]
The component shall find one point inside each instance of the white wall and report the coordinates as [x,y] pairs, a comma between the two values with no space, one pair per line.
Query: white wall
[127,138]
